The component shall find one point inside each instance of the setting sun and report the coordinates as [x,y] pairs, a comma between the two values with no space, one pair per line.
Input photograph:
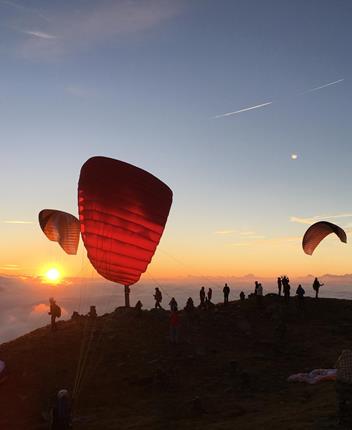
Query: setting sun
[53,275]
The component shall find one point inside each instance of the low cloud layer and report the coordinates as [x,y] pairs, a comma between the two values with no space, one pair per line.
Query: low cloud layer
[24,302]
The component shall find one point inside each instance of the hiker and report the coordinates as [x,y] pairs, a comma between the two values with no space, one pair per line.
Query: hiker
[138,306]
[173,305]
[202,296]
[209,295]
[189,305]
[61,412]
[300,295]
[242,296]
[279,285]
[226,291]
[174,326]
[286,288]
[55,312]
[344,387]
[256,285]
[316,286]
[158,298]
[92,312]
[259,294]
[75,316]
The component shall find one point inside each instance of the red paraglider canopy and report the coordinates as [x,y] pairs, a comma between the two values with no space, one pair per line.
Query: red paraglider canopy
[317,232]
[123,211]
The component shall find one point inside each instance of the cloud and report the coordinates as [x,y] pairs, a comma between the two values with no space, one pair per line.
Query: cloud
[10,267]
[81,29]
[324,86]
[39,34]
[224,232]
[17,222]
[243,110]
[316,218]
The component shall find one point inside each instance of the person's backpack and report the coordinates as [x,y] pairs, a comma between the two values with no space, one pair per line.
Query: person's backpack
[57,311]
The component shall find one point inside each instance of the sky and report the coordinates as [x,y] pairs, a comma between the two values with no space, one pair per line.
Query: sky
[211,96]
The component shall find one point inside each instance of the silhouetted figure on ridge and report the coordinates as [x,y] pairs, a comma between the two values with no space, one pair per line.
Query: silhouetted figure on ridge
[286,287]
[202,297]
[300,295]
[256,285]
[138,307]
[226,291]
[279,285]
[259,294]
[189,305]
[173,305]
[209,295]
[316,286]
[55,312]
[92,312]
[158,298]
[242,296]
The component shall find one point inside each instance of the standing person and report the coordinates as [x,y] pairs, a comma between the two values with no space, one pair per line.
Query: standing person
[316,286]
[259,294]
[226,291]
[242,296]
[202,296]
[344,387]
[256,284]
[209,295]
[173,305]
[55,312]
[279,285]
[286,287]
[158,298]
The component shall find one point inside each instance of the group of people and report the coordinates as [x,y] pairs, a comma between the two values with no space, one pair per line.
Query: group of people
[283,284]
[205,298]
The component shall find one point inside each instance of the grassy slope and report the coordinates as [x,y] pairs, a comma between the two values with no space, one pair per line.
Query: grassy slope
[134,379]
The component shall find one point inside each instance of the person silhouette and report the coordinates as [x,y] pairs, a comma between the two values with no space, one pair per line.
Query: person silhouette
[202,296]
[226,291]
[158,298]
[316,286]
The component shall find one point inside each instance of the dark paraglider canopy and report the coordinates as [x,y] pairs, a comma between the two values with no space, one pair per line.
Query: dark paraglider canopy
[123,211]
[61,227]
[317,232]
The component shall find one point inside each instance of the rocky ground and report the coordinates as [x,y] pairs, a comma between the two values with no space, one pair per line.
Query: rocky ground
[228,371]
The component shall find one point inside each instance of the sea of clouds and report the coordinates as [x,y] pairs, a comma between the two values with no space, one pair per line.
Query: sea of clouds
[24,301]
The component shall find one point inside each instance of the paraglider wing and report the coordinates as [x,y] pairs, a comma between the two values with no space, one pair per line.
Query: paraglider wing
[61,227]
[317,232]
[123,211]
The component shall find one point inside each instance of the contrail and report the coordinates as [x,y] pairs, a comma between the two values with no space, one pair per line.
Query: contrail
[324,86]
[242,110]
[39,34]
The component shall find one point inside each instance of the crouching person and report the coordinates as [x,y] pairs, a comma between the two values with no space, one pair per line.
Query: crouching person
[344,387]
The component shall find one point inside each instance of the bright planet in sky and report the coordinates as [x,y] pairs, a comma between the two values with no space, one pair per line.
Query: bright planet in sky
[294,156]
[53,275]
